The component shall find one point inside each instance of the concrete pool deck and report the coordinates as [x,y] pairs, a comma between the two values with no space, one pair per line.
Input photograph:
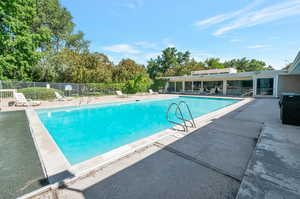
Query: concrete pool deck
[20,168]
[219,160]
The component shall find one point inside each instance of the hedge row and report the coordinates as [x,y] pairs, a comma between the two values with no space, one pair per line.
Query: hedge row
[39,93]
[105,87]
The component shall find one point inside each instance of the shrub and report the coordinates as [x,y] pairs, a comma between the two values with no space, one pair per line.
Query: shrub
[105,88]
[39,93]
[140,84]
[159,84]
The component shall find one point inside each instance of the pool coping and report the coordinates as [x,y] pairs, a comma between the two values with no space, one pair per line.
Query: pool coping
[54,162]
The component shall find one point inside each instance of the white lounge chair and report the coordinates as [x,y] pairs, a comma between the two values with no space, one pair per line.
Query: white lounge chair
[212,91]
[59,97]
[152,93]
[22,101]
[120,94]
[201,91]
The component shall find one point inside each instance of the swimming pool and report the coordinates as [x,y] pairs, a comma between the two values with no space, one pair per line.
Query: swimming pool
[85,132]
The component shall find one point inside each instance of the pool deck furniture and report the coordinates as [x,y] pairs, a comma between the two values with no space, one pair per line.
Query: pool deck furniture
[120,94]
[152,92]
[76,100]
[59,97]
[22,101]
[212,91]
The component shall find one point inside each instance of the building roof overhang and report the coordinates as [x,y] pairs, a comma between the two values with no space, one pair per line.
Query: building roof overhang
[228,76]
[295,67]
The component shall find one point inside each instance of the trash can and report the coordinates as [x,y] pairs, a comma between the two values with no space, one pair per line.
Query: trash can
[290,108]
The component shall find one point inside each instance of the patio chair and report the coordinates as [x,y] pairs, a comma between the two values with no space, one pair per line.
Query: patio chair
[152,93]
[212,91]
[120,94]
[201,91]
[59,97]
[22,101]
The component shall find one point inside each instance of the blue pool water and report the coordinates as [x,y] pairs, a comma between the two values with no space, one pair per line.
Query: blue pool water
[85,132]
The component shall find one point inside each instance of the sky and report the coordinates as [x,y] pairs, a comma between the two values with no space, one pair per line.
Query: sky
[267,30]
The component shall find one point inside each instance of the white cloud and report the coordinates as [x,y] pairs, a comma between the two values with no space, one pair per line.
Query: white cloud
[145,44]
[121,48]
[257,46]
[262,16]
[135,4]
[247,16]
[223,17]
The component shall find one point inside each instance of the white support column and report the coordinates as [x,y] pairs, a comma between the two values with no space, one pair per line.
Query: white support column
[224,87]
[254,85]
[201,85]
[275,86]
[175,87]
[183,86]
[167,86]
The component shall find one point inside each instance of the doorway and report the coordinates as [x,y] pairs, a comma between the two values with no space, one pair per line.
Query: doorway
[265,86]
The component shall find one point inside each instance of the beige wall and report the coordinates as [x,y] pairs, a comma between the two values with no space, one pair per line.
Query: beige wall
[289,84]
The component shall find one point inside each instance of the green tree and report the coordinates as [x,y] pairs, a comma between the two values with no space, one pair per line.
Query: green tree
[213,63]
[245,65]
[19,43]
[85,67]
[140,83]
[168,63]
[47,69]
[77,42]
[127,69]
[50,13]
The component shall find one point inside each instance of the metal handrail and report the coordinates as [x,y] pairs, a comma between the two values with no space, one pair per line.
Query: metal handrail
[185,128]
[190,113]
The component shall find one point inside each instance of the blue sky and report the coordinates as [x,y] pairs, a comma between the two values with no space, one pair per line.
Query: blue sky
[267,30]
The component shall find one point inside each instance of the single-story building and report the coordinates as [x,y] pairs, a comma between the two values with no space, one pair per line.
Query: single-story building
[232,83]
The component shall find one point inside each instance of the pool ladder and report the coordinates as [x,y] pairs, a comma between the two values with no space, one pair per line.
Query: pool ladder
[179,115]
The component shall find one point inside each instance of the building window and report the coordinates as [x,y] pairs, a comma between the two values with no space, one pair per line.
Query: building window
[265,86]
[197,86]
[239,87]
[188,86]
[178,86]
[171,87]
[218,85]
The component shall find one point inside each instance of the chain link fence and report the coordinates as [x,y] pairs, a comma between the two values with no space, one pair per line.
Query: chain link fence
[46,90]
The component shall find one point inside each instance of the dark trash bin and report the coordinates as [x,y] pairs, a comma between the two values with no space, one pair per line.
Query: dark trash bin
[290,108]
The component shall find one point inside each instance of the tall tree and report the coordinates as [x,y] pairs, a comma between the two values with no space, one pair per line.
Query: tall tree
[58,19]
[245,65]
[85,67]
[167,62]
[18,41]
[213,63]
[127,69]
[77,42]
